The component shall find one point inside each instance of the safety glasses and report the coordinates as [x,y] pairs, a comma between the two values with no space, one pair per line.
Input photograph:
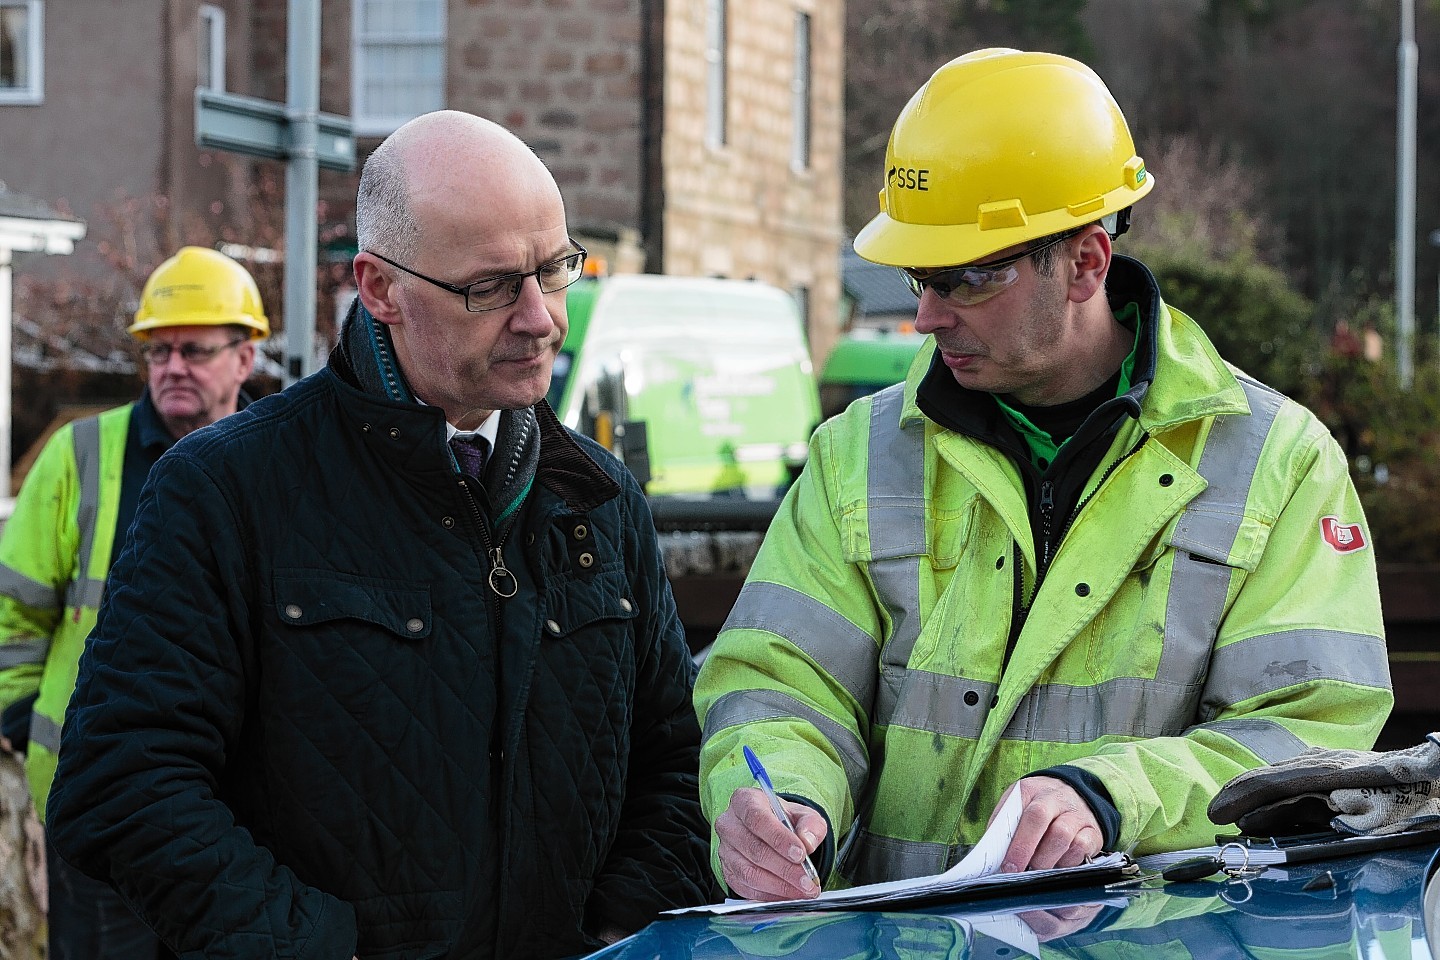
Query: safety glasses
[967,286]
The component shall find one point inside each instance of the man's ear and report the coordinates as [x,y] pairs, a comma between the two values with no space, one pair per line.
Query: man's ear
[247,359]
[1089,263]
[376,288]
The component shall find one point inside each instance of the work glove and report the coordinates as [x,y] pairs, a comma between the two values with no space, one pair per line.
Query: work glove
[1381,810]
[1301,793]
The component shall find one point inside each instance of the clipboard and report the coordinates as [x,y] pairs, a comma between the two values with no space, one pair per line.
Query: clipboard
[1237,849]
[1109,868]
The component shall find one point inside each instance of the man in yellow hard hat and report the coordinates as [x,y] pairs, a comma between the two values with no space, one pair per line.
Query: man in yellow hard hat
[1075,555]
[200,313]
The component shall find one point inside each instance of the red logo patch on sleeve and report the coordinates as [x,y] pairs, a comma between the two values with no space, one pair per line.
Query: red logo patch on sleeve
[1343,537]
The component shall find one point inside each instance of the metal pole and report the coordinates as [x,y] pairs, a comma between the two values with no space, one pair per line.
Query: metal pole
[302,107]
[6,318]
[1409,56]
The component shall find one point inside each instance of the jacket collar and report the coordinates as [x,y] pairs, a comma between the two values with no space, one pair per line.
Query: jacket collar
[533,445]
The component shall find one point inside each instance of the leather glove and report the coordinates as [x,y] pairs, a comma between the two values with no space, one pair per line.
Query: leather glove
[1298,793]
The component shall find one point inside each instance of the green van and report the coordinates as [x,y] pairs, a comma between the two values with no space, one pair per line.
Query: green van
[864,361]
[703,386]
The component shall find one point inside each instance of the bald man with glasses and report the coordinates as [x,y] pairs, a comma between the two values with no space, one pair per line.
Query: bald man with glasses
[392,668]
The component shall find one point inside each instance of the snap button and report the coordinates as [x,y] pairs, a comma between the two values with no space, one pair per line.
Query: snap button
[971,698]
[581,531]
[625,605]
[529,539]
[1082,589]
[414,624]
[293,611]
[447,521]
[1166,479]
[394,433]
[999,562]
[553,627]
[587,560]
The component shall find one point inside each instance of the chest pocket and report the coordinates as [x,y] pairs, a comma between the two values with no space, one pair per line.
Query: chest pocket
[313,599]
[577,608]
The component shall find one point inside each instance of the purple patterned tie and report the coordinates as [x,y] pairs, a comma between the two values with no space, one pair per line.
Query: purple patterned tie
[471,452]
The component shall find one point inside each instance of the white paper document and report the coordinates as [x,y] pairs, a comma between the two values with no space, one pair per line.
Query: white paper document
[977,871]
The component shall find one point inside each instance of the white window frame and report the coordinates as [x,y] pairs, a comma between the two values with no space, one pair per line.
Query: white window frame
[717,70]
[212,29]
[801,85]
[372,125]
[33,92]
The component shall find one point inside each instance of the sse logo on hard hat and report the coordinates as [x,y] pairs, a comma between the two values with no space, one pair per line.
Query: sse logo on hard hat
[908,178]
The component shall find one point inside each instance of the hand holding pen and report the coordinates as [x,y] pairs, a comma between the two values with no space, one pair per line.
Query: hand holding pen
[764,842]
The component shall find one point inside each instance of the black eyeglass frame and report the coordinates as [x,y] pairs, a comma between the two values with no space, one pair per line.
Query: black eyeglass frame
[194,354]
[518,278]
[917,285]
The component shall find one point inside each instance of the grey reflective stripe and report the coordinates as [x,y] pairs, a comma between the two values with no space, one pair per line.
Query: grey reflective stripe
[936,703]
[1273,661]
[22,652]
[753,706]
[842,650]
[1207,529]
[44,732]
[24,590]
[1123,707]
[878,858]
[895,491]
[85,592]
[1267,739]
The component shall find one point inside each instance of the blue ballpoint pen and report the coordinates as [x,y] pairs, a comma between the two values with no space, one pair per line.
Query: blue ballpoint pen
[757,769]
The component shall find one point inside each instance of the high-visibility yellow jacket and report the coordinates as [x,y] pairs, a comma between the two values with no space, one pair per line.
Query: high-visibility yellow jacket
[54,556]
[1213,606]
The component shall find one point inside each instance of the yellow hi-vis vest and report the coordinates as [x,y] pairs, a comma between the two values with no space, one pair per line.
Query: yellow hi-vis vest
[54,557]
[1213,606]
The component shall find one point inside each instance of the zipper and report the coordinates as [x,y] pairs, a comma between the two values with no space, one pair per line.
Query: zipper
[502,582]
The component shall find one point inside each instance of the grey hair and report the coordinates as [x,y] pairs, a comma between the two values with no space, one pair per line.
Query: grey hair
[383,222]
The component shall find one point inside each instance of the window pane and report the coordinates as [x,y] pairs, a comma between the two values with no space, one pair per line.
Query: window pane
[402,81]
[715,94]
[800,95]
[14,48]
[399,61]
[401,18]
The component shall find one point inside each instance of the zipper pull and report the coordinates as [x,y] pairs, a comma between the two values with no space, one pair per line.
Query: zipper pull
[1047,519]
[502,581]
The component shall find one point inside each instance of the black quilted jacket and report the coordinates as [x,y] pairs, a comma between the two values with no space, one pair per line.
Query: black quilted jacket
[288,737]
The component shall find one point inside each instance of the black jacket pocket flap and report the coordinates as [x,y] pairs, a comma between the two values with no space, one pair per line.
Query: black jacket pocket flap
[311,598]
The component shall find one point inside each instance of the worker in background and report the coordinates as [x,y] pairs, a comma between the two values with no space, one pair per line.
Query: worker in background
[1075,555]
[199,316]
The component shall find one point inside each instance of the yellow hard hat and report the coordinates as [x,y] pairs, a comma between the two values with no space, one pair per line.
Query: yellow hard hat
[200,288]
[1000,147]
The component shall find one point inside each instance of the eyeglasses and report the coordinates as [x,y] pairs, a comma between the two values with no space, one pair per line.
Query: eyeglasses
[157,353]
[492,293]
[967,286]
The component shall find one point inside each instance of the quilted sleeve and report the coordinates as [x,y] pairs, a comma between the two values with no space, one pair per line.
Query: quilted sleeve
[660,858]
[159,705]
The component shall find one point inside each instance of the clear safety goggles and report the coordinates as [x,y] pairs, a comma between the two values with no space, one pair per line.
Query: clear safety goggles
[978,282]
